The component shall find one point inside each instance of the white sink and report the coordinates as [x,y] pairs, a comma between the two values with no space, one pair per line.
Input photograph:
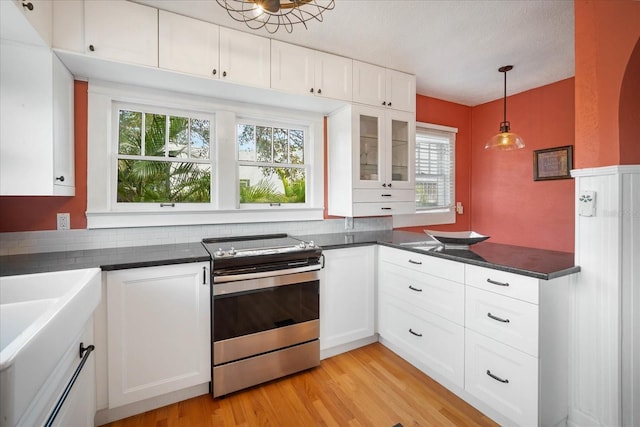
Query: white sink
[41,315]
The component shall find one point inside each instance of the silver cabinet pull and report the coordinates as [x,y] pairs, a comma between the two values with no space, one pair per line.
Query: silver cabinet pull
[385,195]
[499,319]
[415,289]
[493,282]
[167,205]
[415,333]
[415,262]
[505,381]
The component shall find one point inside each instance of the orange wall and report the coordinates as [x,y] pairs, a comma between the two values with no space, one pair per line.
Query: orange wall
[39,213]
[507,203]
[437,111]
[606,33]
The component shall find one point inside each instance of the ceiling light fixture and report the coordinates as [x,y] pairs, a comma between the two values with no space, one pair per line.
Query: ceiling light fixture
[505,140]
[273,14]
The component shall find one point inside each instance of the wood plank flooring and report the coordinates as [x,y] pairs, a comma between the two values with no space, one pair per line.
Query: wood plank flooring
[370,386]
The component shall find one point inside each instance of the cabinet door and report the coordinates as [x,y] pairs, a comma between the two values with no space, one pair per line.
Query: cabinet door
[369,147]
[292,68]
[122,31]
[347,292]
[25,120]
[245,58]
[333,76]
[368,84]
[400,149]
[63,134]
[158,331]
[400,90]
[188,45]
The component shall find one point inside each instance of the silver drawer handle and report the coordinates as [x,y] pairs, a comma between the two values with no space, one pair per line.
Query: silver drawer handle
[499,319]
[415,262]
[415,333]
[493,282]
[497,378]
[415,289]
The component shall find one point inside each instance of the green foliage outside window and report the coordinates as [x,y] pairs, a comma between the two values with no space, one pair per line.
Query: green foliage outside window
[147,170]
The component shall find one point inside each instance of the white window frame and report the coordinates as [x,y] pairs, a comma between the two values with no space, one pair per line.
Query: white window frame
[440,215]
[103,212]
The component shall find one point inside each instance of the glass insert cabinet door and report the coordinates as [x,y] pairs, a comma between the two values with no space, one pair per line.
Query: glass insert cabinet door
[370,144]
[399,151]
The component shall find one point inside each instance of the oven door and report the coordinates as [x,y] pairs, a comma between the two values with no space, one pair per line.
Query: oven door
[256,316]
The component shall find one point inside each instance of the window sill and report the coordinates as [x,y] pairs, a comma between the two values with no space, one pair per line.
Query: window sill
[158,219]
[445,216]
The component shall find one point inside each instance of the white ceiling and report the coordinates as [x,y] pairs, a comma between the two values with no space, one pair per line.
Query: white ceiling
[453,47]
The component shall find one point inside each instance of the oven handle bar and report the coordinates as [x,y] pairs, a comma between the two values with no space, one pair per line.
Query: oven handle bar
[223,285]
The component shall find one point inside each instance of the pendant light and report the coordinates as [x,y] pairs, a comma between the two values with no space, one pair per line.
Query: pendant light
[273,14]
[505,140]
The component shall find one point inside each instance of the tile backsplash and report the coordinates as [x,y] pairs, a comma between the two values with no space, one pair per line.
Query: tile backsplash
[72,240]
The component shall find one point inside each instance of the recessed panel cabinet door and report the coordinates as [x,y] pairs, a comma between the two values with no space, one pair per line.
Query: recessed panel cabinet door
[245,58]
[333,76]
[122,31]
[158,331]
[188,45]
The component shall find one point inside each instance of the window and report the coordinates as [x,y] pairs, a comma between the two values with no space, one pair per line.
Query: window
[163,158]
[434,177]
[271,164]
[434,169]
[160,158]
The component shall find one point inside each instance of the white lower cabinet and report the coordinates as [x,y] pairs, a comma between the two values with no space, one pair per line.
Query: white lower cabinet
[347,299]
[157,331]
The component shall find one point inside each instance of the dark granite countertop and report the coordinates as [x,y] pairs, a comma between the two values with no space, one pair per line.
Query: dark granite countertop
[538,263]
[107,259]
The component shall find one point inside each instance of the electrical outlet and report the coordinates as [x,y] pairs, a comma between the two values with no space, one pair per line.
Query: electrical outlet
[64,221]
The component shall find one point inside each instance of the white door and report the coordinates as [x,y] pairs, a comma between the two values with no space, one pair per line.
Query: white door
[400,143]
[400,90]
[333,76]
[158,331]
[245,58]
[369,84]
[122,31]
[292,68]
[188,45]
[347,292]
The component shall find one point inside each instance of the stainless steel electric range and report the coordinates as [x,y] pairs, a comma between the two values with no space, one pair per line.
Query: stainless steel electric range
[265,309]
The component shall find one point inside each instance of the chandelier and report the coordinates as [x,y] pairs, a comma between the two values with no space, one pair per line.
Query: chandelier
[505,140]
[273,14]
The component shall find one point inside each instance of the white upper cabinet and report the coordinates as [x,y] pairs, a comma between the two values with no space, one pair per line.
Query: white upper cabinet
[39,17]
[121,31]
[188,45]
[244,58]
[382,87]
[301,70]
[36,122]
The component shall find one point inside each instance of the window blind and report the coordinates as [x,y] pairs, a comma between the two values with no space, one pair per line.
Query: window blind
[434,169]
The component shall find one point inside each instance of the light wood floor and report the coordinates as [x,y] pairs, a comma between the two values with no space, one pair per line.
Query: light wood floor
[370,386]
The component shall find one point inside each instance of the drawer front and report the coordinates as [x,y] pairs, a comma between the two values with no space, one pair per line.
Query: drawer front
[383,208]
[382,195]
[502,377]
[502,282]
[436,342]
[423,291]
[512,322]
[434,266]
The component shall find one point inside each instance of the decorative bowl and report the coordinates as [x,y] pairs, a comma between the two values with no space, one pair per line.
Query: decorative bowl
[456,239]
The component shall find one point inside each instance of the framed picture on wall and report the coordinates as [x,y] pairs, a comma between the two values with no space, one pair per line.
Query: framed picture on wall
[553,163]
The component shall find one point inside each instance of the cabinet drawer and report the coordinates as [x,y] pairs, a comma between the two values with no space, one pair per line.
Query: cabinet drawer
[434,266]
[383,208]
[508,320]
[501,282]
[423,291]
[382,195]
[434,341]
[502,377]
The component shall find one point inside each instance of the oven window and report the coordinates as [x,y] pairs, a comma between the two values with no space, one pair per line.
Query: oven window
[260,310]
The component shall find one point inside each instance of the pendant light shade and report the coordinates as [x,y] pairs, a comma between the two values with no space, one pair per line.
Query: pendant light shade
[505,140]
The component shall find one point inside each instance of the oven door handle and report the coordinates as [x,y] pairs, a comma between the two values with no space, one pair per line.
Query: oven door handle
[264,274]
